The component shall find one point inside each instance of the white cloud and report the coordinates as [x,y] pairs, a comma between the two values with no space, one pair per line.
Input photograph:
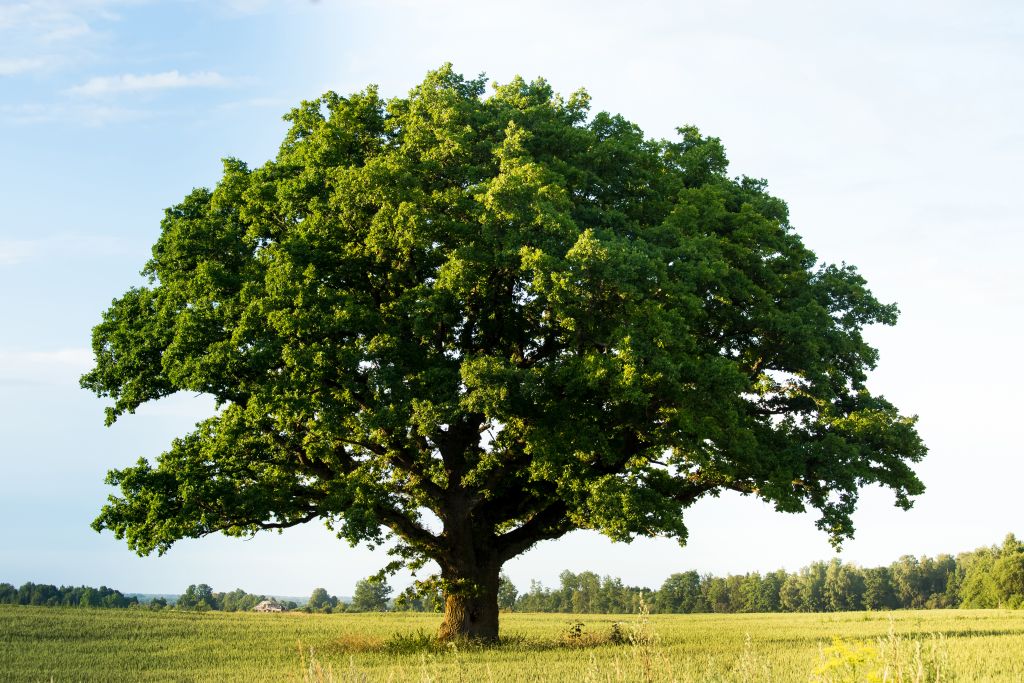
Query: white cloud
[85,114]
[36,34]
[66,32]
[13,16]
[246,6]
[105,85]
[95,115]
[13,252]
[41,16]
[12,67]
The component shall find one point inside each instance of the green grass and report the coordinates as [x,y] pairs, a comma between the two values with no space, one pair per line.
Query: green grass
[67,644]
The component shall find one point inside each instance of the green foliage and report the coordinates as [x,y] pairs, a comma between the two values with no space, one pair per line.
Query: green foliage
[988,577]
[507,593]
[844,587]
[584,593]
[48,595]
[521,316]
[322,601]
[878,590]
[681,593]
[424,595]
[984,578]
[236,601]
[199,598]
[371,595]
[993,577]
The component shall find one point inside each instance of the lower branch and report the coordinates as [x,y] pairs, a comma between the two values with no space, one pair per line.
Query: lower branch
[551,522]
[406,528]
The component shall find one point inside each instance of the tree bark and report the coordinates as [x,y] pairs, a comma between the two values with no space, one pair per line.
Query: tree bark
[471,601]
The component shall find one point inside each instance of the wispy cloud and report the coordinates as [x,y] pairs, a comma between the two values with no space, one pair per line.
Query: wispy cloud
[66,32]
[13,252]
[52,34]
[43,16]
[13,67]
[246,6]
[95,115]
[107,85]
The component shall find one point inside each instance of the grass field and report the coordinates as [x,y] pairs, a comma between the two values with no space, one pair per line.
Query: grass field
[68,644]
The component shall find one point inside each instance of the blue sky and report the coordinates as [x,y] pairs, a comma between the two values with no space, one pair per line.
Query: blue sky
[893,132]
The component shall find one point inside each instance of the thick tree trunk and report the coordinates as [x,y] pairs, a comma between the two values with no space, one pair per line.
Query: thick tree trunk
[471,602]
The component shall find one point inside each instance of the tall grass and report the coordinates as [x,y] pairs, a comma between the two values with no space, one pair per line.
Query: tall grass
[40,644]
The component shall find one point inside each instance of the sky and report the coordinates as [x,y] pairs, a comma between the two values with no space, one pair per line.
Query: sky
[891,129]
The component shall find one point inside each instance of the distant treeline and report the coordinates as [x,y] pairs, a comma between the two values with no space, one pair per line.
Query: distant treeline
[983,578]
[198,597]
[986,577]
[201,598]
[65,596]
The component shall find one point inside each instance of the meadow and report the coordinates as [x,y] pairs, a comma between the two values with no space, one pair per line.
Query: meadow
[71,644]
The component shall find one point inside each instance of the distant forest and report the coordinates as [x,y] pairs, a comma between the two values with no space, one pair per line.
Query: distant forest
[65,596]
[198,597]
[984,578]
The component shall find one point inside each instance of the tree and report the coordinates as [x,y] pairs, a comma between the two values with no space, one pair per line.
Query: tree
[507,593]
[878,590]
[1008,571]
[771,588]
[537,599]
[322,601]
[680,594]
[90,598]
[938,574]
[424,596]
[197,597]
[521,317]
[812,587]
[844,587]
[718,594]
[615,598]
[586,596]
[371,595]
[978,588]
[237,601]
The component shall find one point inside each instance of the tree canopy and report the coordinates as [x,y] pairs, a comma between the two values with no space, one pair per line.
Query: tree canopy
[371,595]
[522,317]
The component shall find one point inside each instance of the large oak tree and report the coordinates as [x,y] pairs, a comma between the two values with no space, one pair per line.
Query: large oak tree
[518,316]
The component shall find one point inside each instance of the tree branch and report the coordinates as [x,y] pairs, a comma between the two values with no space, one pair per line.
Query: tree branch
[551,522]
[309,517]
[402,461]
[407,529]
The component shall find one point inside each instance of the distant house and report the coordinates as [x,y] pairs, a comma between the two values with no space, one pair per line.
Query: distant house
[269,606]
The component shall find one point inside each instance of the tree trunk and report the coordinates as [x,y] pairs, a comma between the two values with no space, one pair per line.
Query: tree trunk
[471,602]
